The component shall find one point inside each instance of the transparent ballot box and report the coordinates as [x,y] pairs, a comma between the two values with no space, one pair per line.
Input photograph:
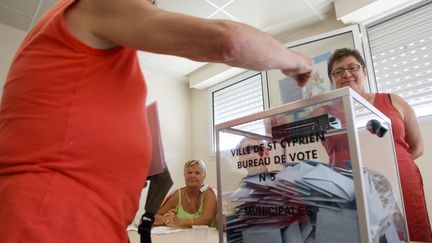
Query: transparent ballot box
[316,170]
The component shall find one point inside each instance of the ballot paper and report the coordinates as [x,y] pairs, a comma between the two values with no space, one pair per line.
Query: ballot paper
[305,202]
[375,206]
[385,217]
[390,234]
[331,182]
[337,226]
[306,229]
[292,174]
[292,233]
[260,235]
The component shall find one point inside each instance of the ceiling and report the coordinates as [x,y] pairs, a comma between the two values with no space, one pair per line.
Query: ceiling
[272,16]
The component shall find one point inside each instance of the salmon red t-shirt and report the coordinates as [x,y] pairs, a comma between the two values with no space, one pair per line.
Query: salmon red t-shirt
[74,141]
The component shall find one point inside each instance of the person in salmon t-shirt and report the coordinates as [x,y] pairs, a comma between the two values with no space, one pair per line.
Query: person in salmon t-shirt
[75,146]
[346,68]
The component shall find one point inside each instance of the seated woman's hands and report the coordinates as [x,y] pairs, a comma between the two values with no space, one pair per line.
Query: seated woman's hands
[170,218]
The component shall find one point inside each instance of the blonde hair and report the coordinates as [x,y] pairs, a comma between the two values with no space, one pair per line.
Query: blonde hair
[197,162]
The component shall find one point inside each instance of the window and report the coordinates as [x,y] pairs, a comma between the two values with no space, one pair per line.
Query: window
[242,97]
[401,49]
[283,89]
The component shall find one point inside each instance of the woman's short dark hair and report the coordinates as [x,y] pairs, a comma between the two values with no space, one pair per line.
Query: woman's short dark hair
[339,54]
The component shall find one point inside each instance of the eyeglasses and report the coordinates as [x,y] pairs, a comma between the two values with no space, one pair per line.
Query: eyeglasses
[351,68]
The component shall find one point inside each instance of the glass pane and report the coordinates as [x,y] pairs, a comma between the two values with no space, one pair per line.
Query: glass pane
[322,170]
[381,181]
[279,185]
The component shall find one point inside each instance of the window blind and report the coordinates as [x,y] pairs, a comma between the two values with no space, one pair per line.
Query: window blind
[242,98]
[401,49]
[239,99]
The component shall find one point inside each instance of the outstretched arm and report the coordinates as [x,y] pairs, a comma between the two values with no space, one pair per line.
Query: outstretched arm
[138,24]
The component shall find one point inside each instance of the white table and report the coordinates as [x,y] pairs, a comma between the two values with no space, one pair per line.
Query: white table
[183,236]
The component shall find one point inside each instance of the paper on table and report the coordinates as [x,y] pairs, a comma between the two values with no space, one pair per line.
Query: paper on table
[132,228]
[163,230]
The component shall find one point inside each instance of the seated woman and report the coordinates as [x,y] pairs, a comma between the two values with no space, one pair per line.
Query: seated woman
[194,204]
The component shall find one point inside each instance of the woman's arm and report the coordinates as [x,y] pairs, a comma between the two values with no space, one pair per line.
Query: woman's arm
[412,127]
[170,204]
[138,24]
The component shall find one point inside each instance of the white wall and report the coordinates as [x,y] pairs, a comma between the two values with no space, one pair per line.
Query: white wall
[201,133]
[329,24]
[425,162]
[10,40]
[174,107]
